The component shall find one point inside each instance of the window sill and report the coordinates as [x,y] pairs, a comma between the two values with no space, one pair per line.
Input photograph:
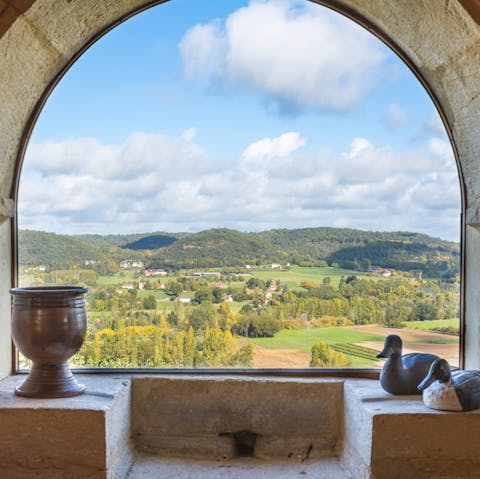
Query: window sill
[316,422]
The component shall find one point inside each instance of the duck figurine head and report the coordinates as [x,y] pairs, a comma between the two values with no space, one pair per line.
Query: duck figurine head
[403,374]
[449,390]
[393,345]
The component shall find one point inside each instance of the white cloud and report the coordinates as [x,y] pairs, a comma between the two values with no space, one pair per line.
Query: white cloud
[396,117]
[189,134]
[273,148]
[358,146]
[153,182]
[202,49]
[295,54]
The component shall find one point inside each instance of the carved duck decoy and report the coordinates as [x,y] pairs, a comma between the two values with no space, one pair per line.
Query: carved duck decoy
[449,390]
[403,374]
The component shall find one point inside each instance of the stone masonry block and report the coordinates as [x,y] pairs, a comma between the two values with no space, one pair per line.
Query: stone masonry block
[197,416]
[83,437]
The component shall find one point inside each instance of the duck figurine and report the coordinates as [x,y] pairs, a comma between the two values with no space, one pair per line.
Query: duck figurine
[449,390]
[403,374]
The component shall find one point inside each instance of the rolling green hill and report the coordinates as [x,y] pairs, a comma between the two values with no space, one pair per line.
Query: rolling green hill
[54,251]
[357,249]
[217,248]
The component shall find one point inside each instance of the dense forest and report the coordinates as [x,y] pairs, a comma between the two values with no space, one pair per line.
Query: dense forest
[216,248]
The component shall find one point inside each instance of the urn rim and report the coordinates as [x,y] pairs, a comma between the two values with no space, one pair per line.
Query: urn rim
[45,290]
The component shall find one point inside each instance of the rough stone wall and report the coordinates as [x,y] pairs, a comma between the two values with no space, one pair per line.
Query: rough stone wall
[10,10]
[229,417]
[440,37]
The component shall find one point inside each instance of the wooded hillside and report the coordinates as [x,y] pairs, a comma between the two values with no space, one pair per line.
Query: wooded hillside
[220,248]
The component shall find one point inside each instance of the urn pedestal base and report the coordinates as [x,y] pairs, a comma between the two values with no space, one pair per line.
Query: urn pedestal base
[49,381]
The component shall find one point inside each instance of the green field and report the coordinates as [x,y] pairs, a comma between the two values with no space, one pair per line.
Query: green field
[296,274]
[304,339]
[128,275]
[165,305]
[118,278]
[156,293]
[432,325]
[236,306]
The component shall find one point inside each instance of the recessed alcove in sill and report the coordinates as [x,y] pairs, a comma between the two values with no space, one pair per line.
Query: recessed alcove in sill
[135,426]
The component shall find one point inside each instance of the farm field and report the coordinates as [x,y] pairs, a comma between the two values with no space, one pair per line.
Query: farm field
[158,294]
[124,276]
[293,277]
[432,325]
[296,274]
[291,348]
[298,343]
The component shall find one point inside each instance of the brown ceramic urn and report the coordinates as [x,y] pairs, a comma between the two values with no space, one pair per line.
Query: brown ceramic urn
[48,327]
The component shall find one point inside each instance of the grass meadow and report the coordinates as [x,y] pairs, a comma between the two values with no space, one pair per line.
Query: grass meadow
[432,325]
[304,339]
[296,274]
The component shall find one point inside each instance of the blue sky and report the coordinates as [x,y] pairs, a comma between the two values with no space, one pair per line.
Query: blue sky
[250,115]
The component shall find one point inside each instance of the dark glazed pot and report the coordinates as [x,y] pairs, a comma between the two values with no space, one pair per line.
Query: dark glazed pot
[48,327]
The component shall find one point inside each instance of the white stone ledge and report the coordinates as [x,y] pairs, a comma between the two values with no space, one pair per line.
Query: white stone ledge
[364,429]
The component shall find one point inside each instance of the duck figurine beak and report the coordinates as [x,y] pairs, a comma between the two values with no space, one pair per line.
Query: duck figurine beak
[382,354]
[427,381]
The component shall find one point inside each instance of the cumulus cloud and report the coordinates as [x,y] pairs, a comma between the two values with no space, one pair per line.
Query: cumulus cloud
[297,55]
[396,117]
[262,152]
[154,182]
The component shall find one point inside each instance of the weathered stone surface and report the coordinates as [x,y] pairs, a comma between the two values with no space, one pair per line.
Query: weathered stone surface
[472,299]
[473,215]
[86,436]
[383,436]
[5,301]
[7,209]
[119,454]
[10,11]
[356,432]
[76,22]
[411,445]
[190,415]
[148,467]
[397,437]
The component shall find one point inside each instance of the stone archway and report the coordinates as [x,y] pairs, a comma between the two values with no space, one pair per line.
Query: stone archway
[439,39]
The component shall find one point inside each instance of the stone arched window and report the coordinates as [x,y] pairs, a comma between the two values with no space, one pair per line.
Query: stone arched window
[440,45]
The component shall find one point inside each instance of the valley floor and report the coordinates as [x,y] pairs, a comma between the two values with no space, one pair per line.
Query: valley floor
[269,353]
